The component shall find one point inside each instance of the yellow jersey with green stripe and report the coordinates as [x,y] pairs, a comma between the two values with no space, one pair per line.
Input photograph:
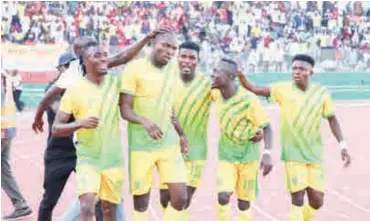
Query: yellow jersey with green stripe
[240,117]
[101,146]
[192,109]
[300,120]
[154,92]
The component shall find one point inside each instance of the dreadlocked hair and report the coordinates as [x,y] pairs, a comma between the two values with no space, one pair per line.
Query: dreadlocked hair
[81,59]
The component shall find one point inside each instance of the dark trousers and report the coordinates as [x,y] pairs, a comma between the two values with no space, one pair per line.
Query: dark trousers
[55,178]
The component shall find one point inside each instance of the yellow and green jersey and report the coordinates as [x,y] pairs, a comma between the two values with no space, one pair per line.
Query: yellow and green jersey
[300,120]
[154,92]
[192,109]
[240,117]
[101,146]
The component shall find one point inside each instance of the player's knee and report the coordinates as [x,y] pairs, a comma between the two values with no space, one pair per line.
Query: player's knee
[298,198]
[178,202]
[317,202]
[108,209]
[87,207]
[141,202]
[164,197]
[243,205]
[223,198]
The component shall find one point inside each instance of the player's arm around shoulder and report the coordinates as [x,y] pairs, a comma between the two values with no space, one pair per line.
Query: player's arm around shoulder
[249,85]
[67,108]
[329,114]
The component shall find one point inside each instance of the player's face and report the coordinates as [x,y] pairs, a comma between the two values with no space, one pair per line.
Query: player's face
[302,72]
[97,59]
[219,76]
[188,60]
[164,48]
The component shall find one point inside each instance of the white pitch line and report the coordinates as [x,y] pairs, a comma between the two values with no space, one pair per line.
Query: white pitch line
[264,213]
[154,213]
[348,200]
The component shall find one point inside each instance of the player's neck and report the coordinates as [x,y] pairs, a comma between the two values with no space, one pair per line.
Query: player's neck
[228,91]
[95,79]
[187,78]
[302,87]
[155,63]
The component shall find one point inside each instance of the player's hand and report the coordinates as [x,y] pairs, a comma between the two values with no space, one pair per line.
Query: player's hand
[346,158]
[266,164]
[89,123]
[184,144]
[257,138]
[38,125]
[153,130]
[159,30]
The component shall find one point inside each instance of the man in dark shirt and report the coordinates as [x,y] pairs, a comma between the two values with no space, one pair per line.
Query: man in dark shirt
[60,154]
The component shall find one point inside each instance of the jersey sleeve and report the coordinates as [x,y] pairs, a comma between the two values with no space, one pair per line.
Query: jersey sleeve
[276,93]
[257,114]
[328,107]
[128,80]
[66,103]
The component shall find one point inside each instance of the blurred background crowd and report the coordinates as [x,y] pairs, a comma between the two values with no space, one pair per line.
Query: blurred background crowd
[265,35]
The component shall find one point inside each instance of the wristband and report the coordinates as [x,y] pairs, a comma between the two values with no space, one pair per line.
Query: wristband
[343,145]
[267,151]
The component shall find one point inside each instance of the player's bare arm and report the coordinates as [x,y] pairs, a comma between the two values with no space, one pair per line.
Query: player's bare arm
[129,53]
[47,100]
[266,162]
[128,113]
[337,132]
[183,140]
[61,127]
[247,84]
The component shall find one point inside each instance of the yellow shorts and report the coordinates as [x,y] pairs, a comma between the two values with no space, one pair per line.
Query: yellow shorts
[107,184]
[238,177]
[169,162]
[194,170]
[299,176]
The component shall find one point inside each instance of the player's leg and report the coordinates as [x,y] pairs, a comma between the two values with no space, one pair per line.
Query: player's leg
[111,191]
[194,170]
[297,182]
[141,176]
[109,211]
[172,172]
[227,176]
[88,186]
[164,196]
[315,191]
[246,188]
[55,177]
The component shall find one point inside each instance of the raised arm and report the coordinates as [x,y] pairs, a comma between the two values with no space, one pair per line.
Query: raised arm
[128,113]
[258,90]
[129,53]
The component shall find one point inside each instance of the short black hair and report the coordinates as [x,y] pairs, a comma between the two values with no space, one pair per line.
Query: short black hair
[191,46]
[88,45]
[231,64]
[304,57]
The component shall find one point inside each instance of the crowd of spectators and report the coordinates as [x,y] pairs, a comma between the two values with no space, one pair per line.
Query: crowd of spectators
[264,34]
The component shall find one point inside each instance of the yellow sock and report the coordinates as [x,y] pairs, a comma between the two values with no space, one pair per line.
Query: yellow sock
[245,215]
[185,215]
[308,212]
[224,212]
[140,216]
[296,213]
[172,215]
